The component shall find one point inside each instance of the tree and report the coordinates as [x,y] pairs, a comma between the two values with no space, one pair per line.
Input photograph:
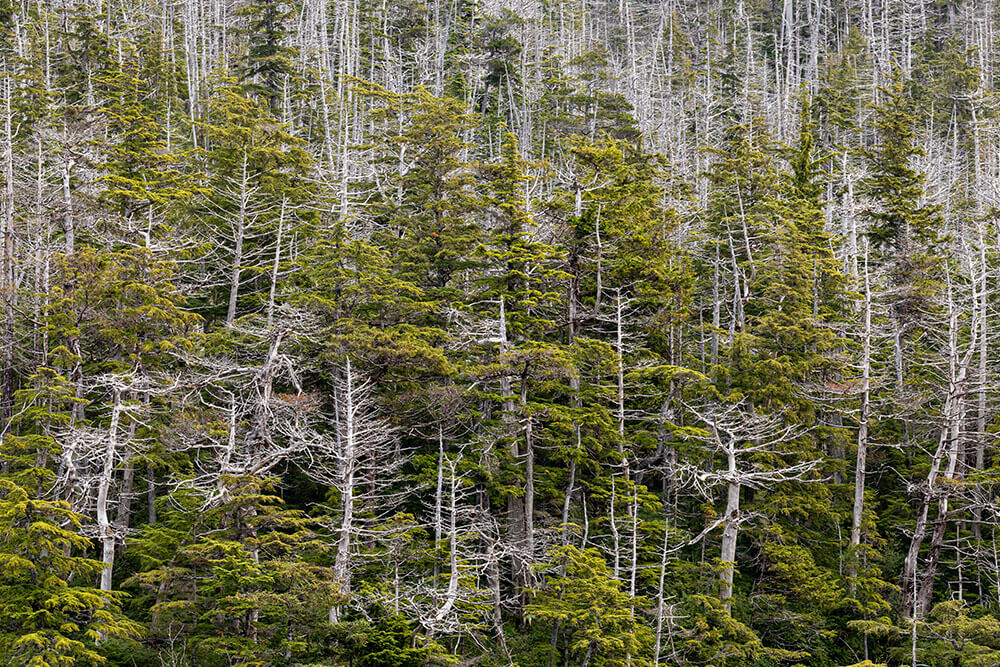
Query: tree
[959,638]
[751,445]
[519,278]
[255,199]
[269,61]
[240,578]
[426,203]
[599,618]
[905,231]
[52,616]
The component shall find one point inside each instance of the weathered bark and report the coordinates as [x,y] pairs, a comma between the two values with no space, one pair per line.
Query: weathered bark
[7,291]
[105,529]
[451,596]
[730,531]
[277,263]
[69,222]
[241,229]
[860,466]
[949,443]
[342,561]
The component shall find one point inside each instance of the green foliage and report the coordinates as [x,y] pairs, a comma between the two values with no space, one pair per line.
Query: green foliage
[242,578]
[268,63]
[599,618]
[52,617]
[713,636]
[959,636]
[901,224]
[431,235]
[386,639]
[469,201]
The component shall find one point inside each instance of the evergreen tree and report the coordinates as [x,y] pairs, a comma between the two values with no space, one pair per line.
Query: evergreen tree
[427,206]
[52,615]
[244,579]
[268,63]
[600,617]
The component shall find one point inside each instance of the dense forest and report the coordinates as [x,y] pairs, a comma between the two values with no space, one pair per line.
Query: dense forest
[534,333]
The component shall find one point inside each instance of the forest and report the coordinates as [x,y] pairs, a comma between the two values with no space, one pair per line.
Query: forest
[499,333]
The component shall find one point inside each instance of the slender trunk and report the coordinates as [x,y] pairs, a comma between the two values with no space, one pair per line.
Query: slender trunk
[660,598]
[730,530]
[342,561]
[69,224]
[857,515]
[241,223]
[515,505]
[151,493]
[529,480]
[981,416]
[948,444]
[716,309]
[451,597]
[277,263]
[954,420]
[438,500]
[104,527]
[7,239]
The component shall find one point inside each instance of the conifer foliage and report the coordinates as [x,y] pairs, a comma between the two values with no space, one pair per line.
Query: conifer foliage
[511,332]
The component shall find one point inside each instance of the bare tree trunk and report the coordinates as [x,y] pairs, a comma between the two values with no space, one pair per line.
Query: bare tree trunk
[438,500]
[529,478]
[857,514]
[104,527]
[948,445]
[660,598]
[277,263]
[342,561]
[730,532]
[69,223]
[515,505]
[981,415]
[716,309]
[453,577]
[7,239]
[241,224]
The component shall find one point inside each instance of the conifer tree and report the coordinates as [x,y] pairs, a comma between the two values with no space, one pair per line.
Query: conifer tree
[255,196]
[581,595]
[52,615]
[268,62]
[427,203]
[242,579]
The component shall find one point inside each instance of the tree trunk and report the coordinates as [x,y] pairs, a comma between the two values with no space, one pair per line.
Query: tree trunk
[730,531]
[948,444]
[342,561]
[277,262]
[7,239]
[241,224]
[857,514]
[104,528]
[151,493]
[515,505]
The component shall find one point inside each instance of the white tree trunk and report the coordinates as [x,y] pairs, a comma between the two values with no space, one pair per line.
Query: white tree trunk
[730,531]
[104,527]
[241,224]
[342,561]
[857,514]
